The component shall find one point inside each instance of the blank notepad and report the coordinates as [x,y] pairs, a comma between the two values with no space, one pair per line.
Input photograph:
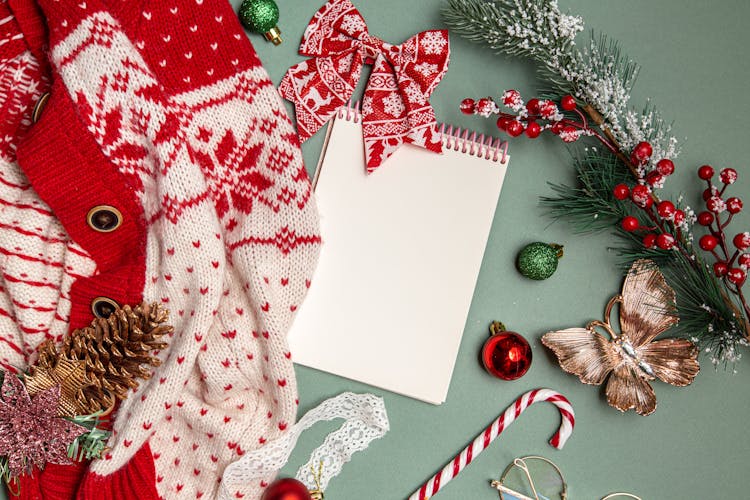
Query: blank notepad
[401,253]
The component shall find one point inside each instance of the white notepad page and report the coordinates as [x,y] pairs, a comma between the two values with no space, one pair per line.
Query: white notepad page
[401,253]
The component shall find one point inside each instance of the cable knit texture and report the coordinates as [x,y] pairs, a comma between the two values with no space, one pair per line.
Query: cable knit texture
[162,109]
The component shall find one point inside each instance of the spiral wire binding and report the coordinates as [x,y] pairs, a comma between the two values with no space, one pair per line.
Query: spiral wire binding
[466,141]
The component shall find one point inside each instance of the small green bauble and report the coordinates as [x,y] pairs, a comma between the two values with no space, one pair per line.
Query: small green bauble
[261,16]
[538,261]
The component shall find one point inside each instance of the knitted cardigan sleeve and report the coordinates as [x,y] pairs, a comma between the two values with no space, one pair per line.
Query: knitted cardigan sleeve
[169,114]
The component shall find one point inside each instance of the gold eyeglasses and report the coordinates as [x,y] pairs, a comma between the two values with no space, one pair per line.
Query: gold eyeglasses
[537,478]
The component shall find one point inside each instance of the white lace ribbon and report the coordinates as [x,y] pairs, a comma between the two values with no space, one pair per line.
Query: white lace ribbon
[365,420]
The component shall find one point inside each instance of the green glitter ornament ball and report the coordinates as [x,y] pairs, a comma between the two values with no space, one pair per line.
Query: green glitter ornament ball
[259,16]
[538,261]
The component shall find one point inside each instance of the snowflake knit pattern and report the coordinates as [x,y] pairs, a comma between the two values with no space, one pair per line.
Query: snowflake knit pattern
[163,110]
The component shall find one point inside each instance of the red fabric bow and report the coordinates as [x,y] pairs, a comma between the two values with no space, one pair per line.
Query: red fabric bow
[395,106]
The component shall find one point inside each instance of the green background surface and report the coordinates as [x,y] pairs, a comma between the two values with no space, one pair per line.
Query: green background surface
[695,69]
[696,445]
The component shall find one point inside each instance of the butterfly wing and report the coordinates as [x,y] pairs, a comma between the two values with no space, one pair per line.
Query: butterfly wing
[674,361]
[648,303]
[583,352]
[627,390]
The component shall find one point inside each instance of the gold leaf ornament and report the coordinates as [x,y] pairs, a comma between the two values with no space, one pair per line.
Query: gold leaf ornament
[632,358]
[70,375]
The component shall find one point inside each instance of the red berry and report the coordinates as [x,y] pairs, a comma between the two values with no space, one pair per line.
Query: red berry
[533,106]
[744,261]
[649,240]
[286,488]
[665,241]
[515,128]
[569,133]
[568,103]
[621,191]
[655,179]
[641,153]
[705,218]
[557,128]
[742,241]
[468,106]
[512,98]
[709,192]
[708,242]
[665,209]
[716,205]
[641,196]
[720,268]
[728,175]
[547,109]
[502,123]
[533,129]
[736,275]
[630,223]
[486,106]
[734,205]
[706,172]
[665,166]
[679,217]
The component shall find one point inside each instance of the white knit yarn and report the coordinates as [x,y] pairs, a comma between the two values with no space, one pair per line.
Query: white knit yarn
[232,281]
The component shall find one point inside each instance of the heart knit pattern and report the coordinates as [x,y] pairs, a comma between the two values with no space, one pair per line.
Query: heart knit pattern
[185,129]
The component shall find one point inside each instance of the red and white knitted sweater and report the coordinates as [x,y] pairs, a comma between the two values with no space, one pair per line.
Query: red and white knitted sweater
[161,110]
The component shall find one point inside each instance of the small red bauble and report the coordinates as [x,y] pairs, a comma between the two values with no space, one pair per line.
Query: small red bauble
[742,241]
[557,128]
[641,196]
[744,261]
[706,172]
[665,209]
[665,241]
[506,355]
[502,123]
[467,106]
[630,223]
[665,166]
[679,217]
[568,103]
[705,218]
[649,241]
[654,178]
[533,106]
[728,175]
[641,153]
[533,129]
[286,489]
[716,204]
[514,128]
[734,205]
[720,268]
[736,276]
[708,242]
[621,191]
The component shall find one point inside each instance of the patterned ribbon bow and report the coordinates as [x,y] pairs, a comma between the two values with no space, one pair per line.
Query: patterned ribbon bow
[395,106]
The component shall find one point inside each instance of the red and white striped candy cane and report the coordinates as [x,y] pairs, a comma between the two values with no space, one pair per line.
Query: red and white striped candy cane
[483,440]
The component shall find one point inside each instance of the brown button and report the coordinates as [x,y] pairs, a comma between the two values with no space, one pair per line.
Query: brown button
[104,218]
[103,307]
[40,105]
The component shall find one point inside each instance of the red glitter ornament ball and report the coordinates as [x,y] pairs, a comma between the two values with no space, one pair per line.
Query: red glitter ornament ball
[506,355]
[286,489]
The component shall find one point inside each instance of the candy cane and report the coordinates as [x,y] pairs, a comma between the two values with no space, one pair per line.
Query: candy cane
[451,470]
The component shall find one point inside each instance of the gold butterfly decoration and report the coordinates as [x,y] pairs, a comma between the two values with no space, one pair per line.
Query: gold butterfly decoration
[632,358]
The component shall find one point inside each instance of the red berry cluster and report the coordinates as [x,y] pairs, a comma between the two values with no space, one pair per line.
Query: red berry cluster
[667,219]
[732,266]
[533,117]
